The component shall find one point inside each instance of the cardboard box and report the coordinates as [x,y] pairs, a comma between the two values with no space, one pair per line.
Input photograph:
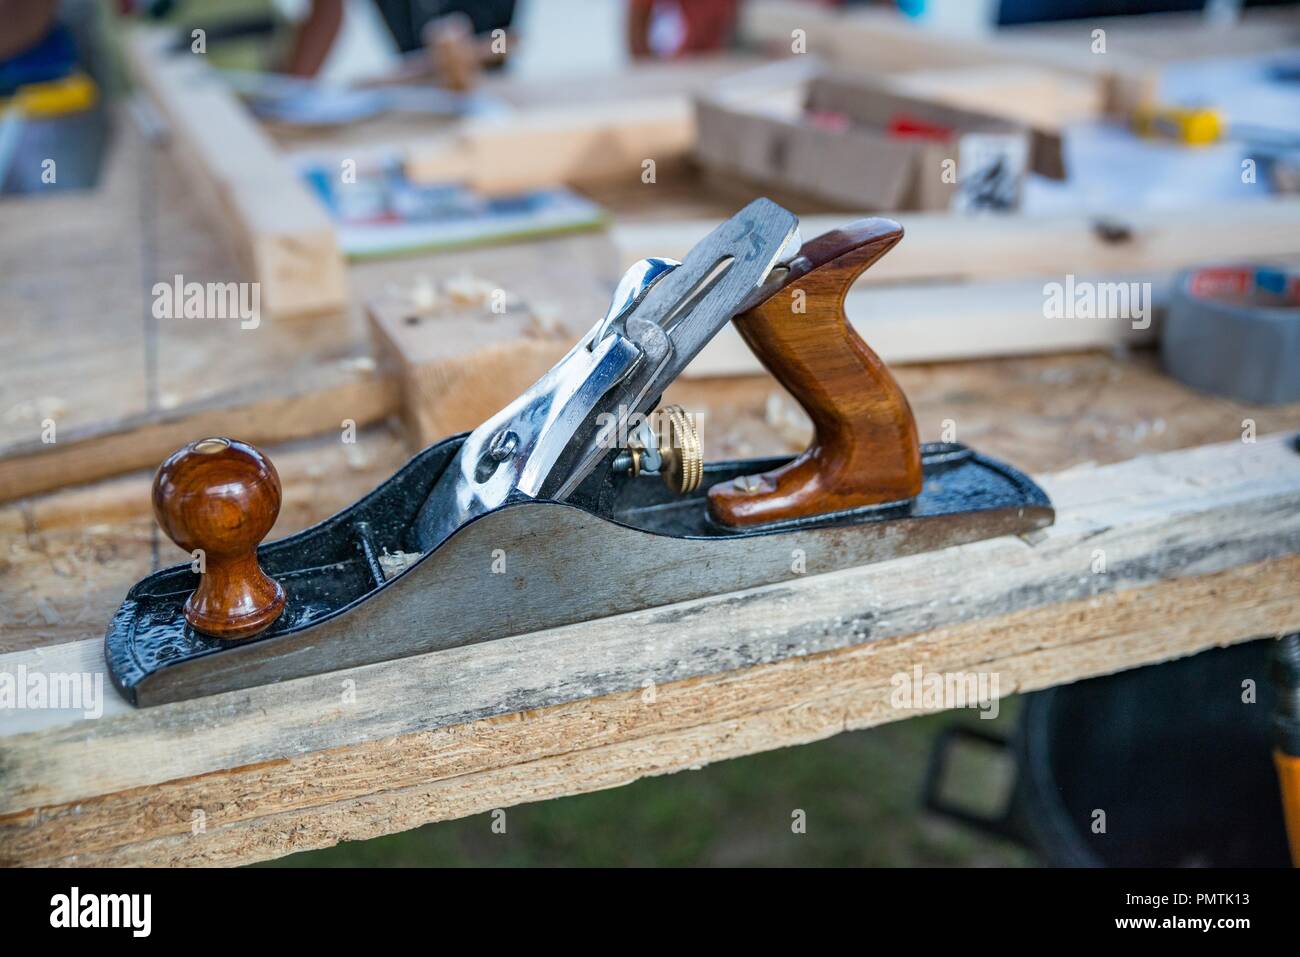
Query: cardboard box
[853,141]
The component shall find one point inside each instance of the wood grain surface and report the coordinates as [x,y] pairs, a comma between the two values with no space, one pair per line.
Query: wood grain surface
[1198,548]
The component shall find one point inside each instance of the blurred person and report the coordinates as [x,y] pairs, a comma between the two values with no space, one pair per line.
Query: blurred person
[34,47]
[667,29]
[456,36]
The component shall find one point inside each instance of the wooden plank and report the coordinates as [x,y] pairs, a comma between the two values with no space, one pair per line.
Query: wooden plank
[1039,97]
[455,366]
[1199,548]
[573,131]
[885,41]
[956,286]
[1174,37]
[125,389]
[288,408]
[648,82]
[320,799]
[279,231]
[61,338]
[563,145]
[935,322]
[944,246]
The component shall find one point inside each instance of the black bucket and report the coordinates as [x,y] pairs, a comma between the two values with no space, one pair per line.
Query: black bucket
[1165,766]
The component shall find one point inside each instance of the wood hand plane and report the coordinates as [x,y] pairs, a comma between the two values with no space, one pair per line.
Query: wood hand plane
[578,500]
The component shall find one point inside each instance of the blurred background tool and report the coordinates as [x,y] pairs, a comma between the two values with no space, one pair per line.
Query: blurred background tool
[1176,755]
[1205,125]
[1235,331]
[1194,126]
[303,102]
[448,41]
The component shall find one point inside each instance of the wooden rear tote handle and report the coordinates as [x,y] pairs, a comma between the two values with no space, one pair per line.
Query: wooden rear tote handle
[864,449]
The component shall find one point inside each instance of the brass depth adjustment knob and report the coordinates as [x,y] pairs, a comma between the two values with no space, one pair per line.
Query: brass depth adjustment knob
[670,449]
[683,458]
[222,496]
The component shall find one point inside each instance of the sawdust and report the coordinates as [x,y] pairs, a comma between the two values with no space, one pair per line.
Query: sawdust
[35,410]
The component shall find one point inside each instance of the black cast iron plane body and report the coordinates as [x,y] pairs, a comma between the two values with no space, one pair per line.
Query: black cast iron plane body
[619,544]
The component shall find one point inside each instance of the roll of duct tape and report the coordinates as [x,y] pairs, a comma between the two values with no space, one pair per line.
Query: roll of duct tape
[1235,331]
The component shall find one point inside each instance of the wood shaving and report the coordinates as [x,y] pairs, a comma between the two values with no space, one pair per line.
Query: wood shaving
[394,563]
[355,456]
[469,290]
[36,410]
[546,318]
[423,294]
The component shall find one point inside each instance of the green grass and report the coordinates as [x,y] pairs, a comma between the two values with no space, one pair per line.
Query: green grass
[860,793]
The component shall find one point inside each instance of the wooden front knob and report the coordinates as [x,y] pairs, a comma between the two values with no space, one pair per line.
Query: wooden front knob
[221,497]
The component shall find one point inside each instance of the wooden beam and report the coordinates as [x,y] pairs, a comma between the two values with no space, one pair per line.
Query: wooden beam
[1175,37]
[941,322]
[455,366]
[376,788]
[577,131]
[292,407]
[965,287]
[1037,96]
[884,41]
[281,234]
[1150,559]
[545,147]
[948,247]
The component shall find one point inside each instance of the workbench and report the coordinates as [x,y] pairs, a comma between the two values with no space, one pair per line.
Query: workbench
[1178,529]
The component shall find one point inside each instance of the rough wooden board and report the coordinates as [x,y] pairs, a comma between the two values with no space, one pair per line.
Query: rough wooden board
[1039,97]
[316,800]
[281,233]
[944,246]
[341,391]
[961,287]
[1172,37]
[563,146]
[121,386]
[940,322]
[455,367]
[885,41]
[80,330]
[658,82]
[380,787]
[85,350]
[1222,519]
